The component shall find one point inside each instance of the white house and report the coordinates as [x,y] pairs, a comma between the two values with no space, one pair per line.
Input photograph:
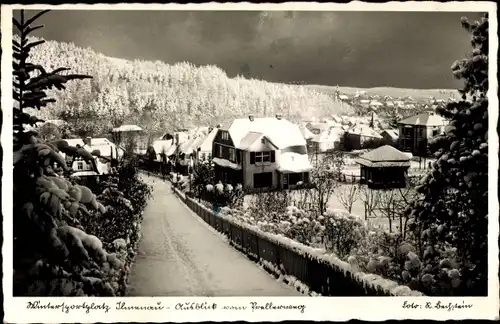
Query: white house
[166,147]
[328,140]
[205,148]
[108,150]
[261,153]
[359,135]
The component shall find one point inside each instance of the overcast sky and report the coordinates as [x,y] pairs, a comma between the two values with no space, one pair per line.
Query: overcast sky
[359,49]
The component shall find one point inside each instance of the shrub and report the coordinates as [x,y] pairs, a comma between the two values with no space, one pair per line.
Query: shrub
[453,214]
[55,253]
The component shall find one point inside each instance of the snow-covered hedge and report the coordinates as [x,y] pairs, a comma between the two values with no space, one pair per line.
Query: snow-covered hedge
[339,277]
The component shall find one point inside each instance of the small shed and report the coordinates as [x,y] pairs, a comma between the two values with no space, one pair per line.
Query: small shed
[384,167]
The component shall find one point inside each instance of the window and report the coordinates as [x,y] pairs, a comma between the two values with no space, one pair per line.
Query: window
[225,136]
[79,166]
[263,180]
[219,151]
[232,155]
[261,157]
[263,140]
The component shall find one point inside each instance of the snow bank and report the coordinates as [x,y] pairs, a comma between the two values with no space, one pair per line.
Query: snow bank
[344,276]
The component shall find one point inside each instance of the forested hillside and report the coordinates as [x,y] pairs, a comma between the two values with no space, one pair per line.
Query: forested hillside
[160,96]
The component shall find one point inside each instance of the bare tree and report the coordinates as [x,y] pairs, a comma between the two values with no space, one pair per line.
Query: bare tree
[386,205]
[393,204]
[326,171]
[347,195]
[370,199]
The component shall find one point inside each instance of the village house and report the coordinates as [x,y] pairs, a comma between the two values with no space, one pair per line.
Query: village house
[165,149]
[361,136]
[306,133]
[329,140]
[187,152]
[107,149]
[204,150]
[317,127]
[375,104]
[384,167]
[390,136]
[261,153]
[415,131]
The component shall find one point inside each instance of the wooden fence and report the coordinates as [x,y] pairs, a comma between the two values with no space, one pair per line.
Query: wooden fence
[320,275]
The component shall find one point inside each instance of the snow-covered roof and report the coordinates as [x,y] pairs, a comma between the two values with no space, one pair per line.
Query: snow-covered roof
[318,125]
[105,146]
[127,128]
[226,163]
[294,162]
[331,135]
[280,132]
[84,174]
[306,132]
[384,156]
[206,145]
[249,139]
[363,130]
[393,133]
[186,147]
[424,120]
[343,97]
[57,122]
[376,103]
[336,118]
[163,146]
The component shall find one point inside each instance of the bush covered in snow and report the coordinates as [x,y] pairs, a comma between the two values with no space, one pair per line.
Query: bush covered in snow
[452,217]
[62,244]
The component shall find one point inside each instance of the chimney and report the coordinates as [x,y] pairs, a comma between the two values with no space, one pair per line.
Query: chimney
[251,117]
[278,116]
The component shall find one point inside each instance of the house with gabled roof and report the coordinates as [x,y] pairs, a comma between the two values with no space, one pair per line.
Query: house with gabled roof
[261,153]
[384,167]
[328,140]
[415,131]
[204,150]
[390,136]
[361,136]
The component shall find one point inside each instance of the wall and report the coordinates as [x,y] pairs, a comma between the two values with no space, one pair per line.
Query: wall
[250,169]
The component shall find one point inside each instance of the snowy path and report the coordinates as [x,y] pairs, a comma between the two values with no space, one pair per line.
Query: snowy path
[180,255]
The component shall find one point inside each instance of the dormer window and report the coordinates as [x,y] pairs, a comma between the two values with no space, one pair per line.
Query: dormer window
[263,140]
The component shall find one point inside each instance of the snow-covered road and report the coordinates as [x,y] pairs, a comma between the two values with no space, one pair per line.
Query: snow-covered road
[180,255]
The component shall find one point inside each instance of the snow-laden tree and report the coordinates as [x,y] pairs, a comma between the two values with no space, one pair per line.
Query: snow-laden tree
[182,92]
[453,213]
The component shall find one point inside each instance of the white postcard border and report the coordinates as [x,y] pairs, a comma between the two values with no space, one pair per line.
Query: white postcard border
[316,308]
